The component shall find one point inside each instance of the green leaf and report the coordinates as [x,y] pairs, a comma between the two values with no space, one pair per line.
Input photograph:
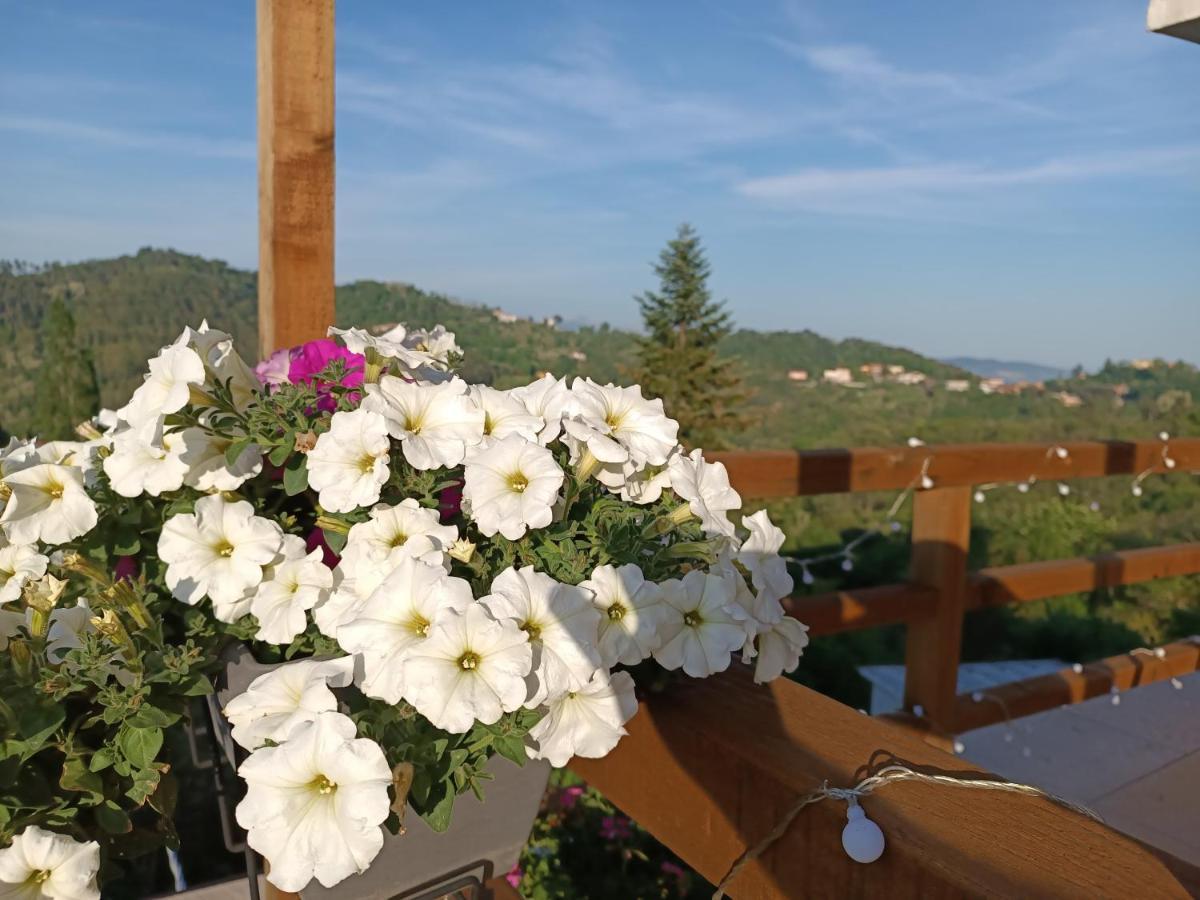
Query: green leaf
[438,818]
[140,745]
[78,777]
[295,477]
[166,795]
[335,539]
[236,449]
[102,759]
[153,717]
[511,747]
[113,819]
[127,542]
[279,454]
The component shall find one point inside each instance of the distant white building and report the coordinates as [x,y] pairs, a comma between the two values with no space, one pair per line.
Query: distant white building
[991,385]
[1067,399]
[840,375]
[552,321]
[957,385]
[797,375]
[505,317]
[911,378]
[894,369]
[578,355]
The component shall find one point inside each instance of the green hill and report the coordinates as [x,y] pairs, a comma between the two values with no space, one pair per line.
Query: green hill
[126,308]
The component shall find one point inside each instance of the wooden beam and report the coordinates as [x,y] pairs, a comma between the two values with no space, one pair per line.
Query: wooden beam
[1026,582]
[713,765]
[295,172]
[941,533]
[859,608]
[790,473]
[1062,688]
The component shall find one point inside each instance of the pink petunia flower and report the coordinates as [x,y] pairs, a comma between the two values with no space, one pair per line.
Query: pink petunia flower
[514,875]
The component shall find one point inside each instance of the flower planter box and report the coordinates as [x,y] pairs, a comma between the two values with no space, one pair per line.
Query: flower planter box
[483,840]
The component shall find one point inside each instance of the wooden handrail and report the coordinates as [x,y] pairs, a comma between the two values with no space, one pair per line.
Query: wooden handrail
[858,608]
[1034,695]
[712,766]
[791,473]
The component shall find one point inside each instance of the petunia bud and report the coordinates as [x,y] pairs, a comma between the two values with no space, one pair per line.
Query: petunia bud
[462,550]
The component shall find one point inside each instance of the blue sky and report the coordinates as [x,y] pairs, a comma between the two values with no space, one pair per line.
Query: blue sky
[1017,179]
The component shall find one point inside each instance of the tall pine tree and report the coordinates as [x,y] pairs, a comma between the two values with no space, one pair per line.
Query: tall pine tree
[67,392]
[678,356]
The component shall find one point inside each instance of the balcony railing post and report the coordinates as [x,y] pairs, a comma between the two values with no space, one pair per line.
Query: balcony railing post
[940,534]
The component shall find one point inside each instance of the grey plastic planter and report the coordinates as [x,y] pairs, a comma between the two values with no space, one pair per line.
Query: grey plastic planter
[484,839]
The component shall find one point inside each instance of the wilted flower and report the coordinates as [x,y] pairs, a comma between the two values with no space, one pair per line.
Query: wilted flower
[349,465]
[588,722]
[41,863]
[48,504]
[705,486]
[276,702]
[395,618]
[314,804]
[435,423]
[219,552]
[471,668]
[562,625]
[703,626]
[630,613]
[511,487]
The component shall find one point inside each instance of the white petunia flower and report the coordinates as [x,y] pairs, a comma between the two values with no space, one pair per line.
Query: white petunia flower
[549,399]
[68,626]
[623,416]
[437,344]
[562,625]
[146,460]
[642,487]
[292,584]
[588,722]
[760,611]
[219,552]
[173,374]
[705,486]
[349,465]
[435,423]
[314,804]
[504,414]
[703,624]
[630,612]
[18,564]
[374,348]
[779,649]
[222,362]
[471,668]
[759,553]
[278,701]
[395,618]
[351,588]
[41,864]
[393,533]
[48,504]
[511,487]
[207,468]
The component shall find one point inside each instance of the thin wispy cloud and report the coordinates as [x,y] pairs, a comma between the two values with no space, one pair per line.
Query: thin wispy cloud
[128,139]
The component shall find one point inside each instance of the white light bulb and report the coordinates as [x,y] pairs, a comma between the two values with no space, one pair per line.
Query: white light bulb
[1023,487]
[1060,452]
[807,576]
[1063,489]
[926,482]
[1160,652]
[980,496]
[847,564]
[1077,668]
[918,710]
[1177,684]
[895,526]
[915,442]
[1163,436]
[1094,506]
[861,838]
[1168,462]
[977,696]
[1136,490]
[959,747]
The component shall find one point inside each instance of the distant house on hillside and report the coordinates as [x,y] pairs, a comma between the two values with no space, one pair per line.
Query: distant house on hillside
[552,321]
[578,355]
[1067,399]
[910,378]
[797,375]
[894,369]
[1142,364]
[991,385]
[874,370]
[957,385]
[506,317]
[840,375]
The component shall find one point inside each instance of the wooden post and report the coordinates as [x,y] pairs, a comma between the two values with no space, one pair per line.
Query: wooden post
[295,171]
[941,533]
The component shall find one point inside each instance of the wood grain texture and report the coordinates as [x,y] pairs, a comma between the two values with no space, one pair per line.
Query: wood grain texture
[858,608]
[712,766]
[789,473]
[295,172]
[941,533]
[1034,695]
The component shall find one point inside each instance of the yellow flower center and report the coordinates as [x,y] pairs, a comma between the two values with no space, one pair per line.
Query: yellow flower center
[518,482]
[488,424]
[39,876]
[412,424]
[468,661]
[614,419]
[322,785]
[692,618]
[54,489]
[398,539]
[532,629]
[224,548]
[616,612]
[366,463]
[419,625]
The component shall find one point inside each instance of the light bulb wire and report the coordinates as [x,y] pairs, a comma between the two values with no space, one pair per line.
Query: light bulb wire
[886,775]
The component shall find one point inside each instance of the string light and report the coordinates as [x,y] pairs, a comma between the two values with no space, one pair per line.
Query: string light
[862,839]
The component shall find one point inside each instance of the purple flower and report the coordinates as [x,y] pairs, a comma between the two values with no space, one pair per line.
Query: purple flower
[450,501]
[615,828]
[568,797]
[274,370]
[514,875]
[126,568]
[309,360]
[315,539]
